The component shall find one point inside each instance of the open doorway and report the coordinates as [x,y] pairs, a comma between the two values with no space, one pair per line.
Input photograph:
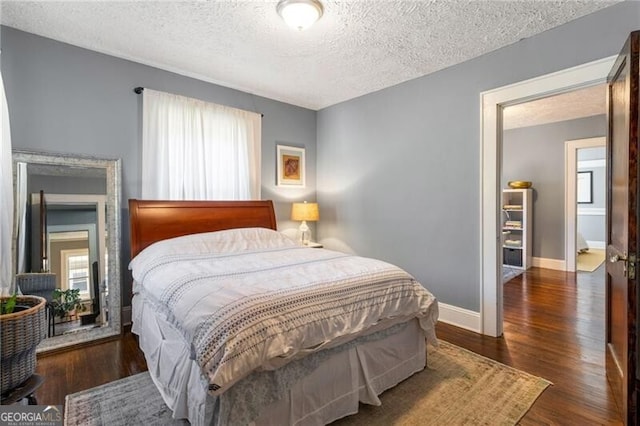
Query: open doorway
[585,188]
[493,104]
[564,309]
[556,144]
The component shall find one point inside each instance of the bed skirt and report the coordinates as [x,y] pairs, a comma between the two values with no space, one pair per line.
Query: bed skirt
[315,390]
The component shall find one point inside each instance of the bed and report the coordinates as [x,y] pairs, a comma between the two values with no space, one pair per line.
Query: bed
[241,325]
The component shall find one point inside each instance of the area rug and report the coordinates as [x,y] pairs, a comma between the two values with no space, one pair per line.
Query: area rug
[590,260]
[457,388]
[509,273]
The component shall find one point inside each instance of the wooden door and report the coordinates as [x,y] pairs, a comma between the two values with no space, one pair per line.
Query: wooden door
[622,238]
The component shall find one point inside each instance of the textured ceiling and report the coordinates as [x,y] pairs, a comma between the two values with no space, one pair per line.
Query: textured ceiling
[567,106]
[357,47]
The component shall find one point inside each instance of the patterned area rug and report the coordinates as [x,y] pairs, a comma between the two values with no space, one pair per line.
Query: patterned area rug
[458,388]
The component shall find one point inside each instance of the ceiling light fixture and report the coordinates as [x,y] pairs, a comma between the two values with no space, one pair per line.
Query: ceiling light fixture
[300,14]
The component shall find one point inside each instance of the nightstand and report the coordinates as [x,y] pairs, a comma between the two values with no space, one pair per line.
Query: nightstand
[313,245]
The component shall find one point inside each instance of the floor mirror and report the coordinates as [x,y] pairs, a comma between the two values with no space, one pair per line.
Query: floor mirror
[67,243]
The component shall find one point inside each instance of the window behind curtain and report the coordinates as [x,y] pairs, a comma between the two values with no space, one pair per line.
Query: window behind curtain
[196,150]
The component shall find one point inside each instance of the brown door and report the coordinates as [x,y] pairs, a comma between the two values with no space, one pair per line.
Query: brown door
[622,248]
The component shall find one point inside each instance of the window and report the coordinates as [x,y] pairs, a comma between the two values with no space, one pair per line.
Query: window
[196,150]
[75,271]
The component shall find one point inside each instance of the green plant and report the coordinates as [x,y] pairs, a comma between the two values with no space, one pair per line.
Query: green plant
[65,301]
[8,305]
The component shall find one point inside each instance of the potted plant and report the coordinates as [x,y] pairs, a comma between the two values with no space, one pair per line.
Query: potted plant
[66,301]
[8,305]
[22,328]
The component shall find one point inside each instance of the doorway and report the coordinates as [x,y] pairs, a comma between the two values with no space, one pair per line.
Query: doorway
[585,189]
[492,106]
[557,144]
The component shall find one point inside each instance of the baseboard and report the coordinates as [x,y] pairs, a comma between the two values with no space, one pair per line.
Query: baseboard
[459,317]
[557,264]
[597,244]
[126,316]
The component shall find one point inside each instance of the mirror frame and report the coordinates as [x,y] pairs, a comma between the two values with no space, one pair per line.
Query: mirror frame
[113,225]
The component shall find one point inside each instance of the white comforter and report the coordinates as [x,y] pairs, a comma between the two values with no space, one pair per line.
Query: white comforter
[252,298]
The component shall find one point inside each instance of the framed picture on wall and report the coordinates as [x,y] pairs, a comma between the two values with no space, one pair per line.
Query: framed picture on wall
[291,166]
[585,187]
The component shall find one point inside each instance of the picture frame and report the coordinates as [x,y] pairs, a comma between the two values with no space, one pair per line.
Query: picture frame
[291,167]
[584,193]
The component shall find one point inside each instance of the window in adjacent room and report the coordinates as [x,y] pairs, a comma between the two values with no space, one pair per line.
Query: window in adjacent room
[196,150]
[76,271]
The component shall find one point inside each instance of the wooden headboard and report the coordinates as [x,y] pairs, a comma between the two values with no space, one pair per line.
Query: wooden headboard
[152,221]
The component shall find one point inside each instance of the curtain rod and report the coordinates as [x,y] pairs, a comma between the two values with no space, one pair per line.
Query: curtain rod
[138,90]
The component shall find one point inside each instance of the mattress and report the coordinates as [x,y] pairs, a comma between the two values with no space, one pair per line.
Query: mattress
[314,390]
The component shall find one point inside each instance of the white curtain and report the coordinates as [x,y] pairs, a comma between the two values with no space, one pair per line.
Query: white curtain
[6,198]
[21,216]
[196,150]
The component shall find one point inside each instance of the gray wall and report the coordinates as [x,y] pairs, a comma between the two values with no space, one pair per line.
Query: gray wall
[66,184]
[399,169]
[70,100]
[537,154]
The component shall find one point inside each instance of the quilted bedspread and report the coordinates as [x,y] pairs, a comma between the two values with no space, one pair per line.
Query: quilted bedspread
[252,298]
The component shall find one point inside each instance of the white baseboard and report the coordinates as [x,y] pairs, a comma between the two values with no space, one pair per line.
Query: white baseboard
[459,317]
[597,244]
[557,264]
[126,315]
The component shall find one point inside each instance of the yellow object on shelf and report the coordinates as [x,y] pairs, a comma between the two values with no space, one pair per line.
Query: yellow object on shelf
[519,184]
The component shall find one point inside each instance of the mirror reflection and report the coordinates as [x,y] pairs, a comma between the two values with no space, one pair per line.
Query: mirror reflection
[74,251]
[67,243]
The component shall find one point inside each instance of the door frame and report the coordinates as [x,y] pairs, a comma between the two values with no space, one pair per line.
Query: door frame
[571,148]
[492,103]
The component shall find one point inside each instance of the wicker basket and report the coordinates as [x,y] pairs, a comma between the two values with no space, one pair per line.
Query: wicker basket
[20,333]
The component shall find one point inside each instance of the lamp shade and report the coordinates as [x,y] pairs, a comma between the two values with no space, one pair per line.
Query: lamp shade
[305,211]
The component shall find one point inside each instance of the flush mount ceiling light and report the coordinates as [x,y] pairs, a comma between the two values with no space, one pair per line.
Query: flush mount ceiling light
[299,14]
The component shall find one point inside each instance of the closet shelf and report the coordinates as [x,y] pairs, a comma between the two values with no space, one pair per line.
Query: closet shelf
[517,220]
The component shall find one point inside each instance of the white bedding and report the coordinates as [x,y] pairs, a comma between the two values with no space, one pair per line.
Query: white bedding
[252,299]
[315,390]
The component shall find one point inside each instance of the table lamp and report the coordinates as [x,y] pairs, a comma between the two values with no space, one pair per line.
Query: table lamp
[304,212]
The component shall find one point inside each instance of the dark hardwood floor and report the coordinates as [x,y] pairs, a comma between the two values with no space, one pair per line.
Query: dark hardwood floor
[83,368]
[554,328]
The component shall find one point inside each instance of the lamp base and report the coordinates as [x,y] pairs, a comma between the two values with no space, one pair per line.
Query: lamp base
[305,233]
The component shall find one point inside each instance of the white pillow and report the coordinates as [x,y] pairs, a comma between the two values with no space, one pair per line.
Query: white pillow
[219,242]
[581,243]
